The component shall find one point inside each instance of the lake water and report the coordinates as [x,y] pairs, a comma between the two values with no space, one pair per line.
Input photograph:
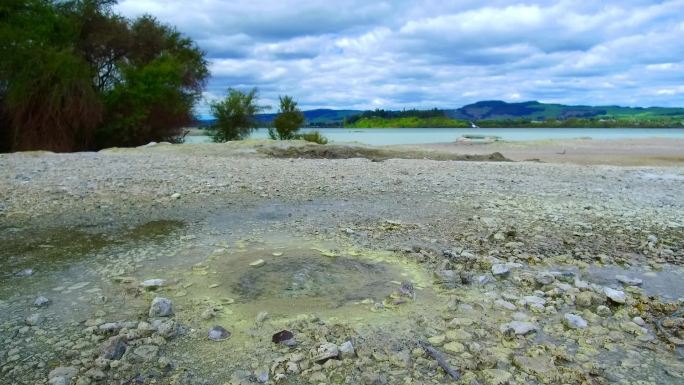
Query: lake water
[384,136]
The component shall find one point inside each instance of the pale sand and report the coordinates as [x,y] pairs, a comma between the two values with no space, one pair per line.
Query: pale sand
[623,152]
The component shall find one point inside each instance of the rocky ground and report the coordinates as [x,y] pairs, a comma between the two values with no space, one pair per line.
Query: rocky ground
[229,264]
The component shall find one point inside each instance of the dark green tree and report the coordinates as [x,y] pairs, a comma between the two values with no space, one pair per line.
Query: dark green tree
[235,115]
[288,121]
[95,79]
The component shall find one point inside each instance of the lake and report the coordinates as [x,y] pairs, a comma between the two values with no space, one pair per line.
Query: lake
[385,136]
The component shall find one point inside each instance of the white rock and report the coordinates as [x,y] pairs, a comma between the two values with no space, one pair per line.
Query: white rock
[500,269]
[346,350]
[326,351]
[639,321]
[34,319]
[153,283]
[257,263]
[615,295]
[41,301]
[574,321]
[501,304]
[544,278]
[161,307]
[623,279]
[518,327]
[533,300]
[175,196]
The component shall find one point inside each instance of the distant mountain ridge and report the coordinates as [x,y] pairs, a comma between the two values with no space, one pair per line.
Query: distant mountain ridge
[533,110]
[495,110]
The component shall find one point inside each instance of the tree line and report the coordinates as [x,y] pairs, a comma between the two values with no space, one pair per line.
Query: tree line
[75,76]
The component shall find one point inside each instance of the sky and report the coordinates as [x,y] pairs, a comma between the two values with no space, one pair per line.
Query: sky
[362,54]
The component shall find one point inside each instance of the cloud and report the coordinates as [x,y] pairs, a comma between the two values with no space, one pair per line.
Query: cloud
[404,54]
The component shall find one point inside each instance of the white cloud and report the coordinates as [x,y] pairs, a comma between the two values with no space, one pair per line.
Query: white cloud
[395,54]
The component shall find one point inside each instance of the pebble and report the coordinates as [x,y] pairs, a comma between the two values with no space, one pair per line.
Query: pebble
[623,279]
[574,321]
[437,340]
[261,317]
[616,296]
[218,333]
[151,284]
[34,319]
[544,278]
[41,301]
[454,347]
[114,348]
[347,350]
[258,263]
[175,196]
[25,273]
[518,327]
[161,307]
[500,269]
[325,351]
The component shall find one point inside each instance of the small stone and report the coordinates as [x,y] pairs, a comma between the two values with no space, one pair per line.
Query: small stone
[325,351]
[146,353]
[496,376]
[152,284]
[67,372]
[261,317]
[175,196]
[639,321]
[95,374]
[454,347]
[603,311]
[218,333]
[629,281]
[25,273]
[501,304]
[110,327]
[542,366]
[41,301]
[34,319]
[457,322]
[161,307]
[168,329]
[208,314]
[616,296]
[544,278]
[652,239]
[518,327]
[584,299]
[500,269]
[114,348]
[574,321]
[437,340]
[292,367]
[262,376]
[258,263]
[531,300]
[347,350]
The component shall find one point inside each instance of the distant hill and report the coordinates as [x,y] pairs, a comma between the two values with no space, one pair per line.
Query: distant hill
[490,110]
[319,116]
[533,110]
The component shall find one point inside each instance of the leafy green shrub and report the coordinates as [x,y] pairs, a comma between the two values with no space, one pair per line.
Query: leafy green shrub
[288,121]
[313,136]
[235,115]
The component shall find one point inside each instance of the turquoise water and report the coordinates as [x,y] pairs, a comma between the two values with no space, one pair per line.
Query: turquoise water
[384,136]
